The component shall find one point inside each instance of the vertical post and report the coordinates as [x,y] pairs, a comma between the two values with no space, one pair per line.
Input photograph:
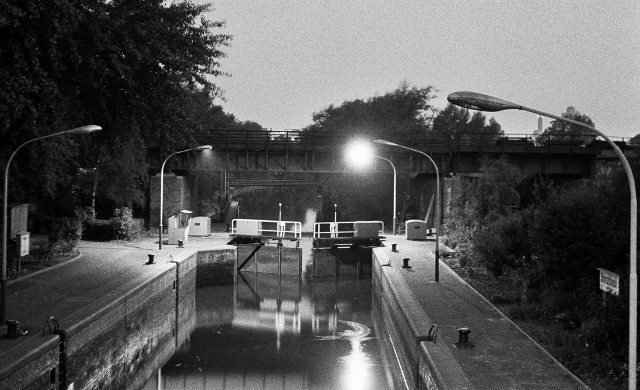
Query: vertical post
[161,205]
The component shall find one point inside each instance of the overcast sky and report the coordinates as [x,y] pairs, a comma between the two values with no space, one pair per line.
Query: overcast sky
[290,59]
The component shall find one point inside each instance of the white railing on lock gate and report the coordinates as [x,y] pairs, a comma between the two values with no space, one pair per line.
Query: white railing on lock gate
[360,229]
[266,228]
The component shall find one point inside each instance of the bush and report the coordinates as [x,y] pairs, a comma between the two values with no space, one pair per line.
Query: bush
[122,224]
[504,242]
[63,234]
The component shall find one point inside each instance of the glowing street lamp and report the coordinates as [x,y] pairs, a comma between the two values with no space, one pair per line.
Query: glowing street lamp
[198,148]
[3,281]
[480,102]
[438,216]
[394,191]
[360,154]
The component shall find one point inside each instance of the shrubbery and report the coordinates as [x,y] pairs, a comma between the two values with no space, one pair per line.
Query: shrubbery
[63,233]
[553,245]
[123,225]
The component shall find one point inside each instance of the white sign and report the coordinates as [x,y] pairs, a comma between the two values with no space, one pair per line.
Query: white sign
[609,281]
[23,243]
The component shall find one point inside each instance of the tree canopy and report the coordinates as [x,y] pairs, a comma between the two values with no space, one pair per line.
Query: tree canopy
[560,131]
[134,68]
[454,123]
[404,111]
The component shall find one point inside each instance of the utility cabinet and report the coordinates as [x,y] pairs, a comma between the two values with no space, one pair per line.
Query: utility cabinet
[416,229]
[178,228]
[200,226]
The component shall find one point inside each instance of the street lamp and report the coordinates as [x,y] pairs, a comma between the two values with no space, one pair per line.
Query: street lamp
[394,191]
[477,101]
[199,148]
[438,216]
[360,154]
[3,280]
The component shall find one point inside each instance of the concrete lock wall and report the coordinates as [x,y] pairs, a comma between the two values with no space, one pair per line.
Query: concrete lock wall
[105,348]
[417,361]
[37,359]
[120,340]
[214,267]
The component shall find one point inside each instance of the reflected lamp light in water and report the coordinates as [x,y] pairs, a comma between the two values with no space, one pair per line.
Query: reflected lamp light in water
[356,367]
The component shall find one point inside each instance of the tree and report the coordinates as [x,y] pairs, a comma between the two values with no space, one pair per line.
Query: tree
[564,132]
[131,67]
[454,124]
[400,113]
[476,204]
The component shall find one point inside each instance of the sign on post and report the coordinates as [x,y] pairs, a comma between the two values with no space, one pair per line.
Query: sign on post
[609,281]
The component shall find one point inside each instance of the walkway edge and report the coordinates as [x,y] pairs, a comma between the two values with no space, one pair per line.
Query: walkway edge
[432,363]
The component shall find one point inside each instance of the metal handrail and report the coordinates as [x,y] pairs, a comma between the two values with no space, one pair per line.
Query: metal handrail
[266,228]
[343,229]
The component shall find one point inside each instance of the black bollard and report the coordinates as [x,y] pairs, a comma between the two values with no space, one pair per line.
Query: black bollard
[151,260]
[393,248]
[463,335]
[180,244]
[405,263]
[463,338]
[12,329]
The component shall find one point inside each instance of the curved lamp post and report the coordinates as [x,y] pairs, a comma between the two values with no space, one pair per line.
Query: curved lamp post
[360,154]
[394,192]
[437,261]
[200,148]
[3,280]
[477,101]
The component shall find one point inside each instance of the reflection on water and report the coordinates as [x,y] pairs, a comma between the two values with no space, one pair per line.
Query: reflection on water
[280,332]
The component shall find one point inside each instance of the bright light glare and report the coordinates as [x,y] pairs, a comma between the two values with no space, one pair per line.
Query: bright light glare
[360,154]
[356,368]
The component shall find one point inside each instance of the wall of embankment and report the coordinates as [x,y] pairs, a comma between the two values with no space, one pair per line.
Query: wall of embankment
[411,349]
[119,341]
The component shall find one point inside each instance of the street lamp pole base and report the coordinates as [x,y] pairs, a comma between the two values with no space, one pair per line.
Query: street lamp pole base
[437,273]
[3,300]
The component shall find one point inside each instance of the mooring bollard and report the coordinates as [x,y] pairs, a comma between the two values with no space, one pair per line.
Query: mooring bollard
[393,248]
[151,260]
[463,338]
[405,263]
[12,329]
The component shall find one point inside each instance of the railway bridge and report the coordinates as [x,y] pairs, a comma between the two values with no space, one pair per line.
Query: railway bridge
[249,158]
[263,151]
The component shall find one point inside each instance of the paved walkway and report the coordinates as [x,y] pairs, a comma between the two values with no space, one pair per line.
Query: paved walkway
[503,356]
[61,290]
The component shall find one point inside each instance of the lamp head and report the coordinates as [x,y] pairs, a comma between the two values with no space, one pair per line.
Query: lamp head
[202,147]
[84,129]
[480,102]
[384,142]
[359,153]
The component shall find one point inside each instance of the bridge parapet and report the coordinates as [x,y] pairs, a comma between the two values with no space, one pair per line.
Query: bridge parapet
[300,138]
